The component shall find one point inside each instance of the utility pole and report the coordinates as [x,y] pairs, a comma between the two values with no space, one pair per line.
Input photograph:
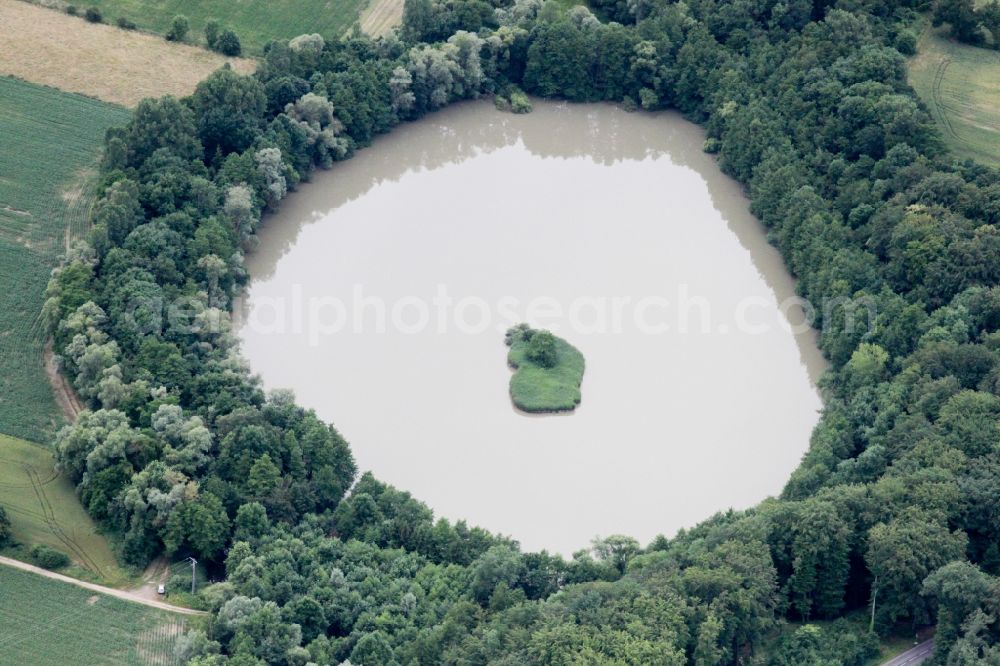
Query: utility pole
[871,625]
[194,570]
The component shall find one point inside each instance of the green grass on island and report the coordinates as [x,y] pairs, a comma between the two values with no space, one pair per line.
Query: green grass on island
[44,621]
[547,371]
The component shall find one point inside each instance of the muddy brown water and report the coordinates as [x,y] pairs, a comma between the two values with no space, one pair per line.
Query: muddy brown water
[380,292]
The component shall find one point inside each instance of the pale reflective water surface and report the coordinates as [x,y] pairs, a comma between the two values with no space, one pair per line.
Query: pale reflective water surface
[574,204]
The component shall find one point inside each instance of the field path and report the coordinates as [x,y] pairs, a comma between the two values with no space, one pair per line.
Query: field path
[914,656]
[111,592]
[66,397]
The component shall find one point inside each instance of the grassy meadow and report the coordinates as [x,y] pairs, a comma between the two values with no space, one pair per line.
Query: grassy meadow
[960,85]
[45,621]
[538,389]
[49,147]
[43,508]
[255,21]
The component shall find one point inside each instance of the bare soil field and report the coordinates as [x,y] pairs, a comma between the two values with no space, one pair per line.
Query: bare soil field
[381,16]
[54,49]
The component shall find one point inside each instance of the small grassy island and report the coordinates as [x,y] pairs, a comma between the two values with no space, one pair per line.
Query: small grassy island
[547,371]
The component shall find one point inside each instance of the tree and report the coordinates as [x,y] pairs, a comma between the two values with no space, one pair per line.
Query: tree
[960,589]
[163,123]
[961,17]
[187,440]
[542,349]
[420,20]
[906,42]
[979,644]
[308,614]
[209,530]
[373,649]
[559,61]
[971,422]
[266,635]
[212,30]
[179,28]
[989,17]
[238,552]
[93,15]
[272,168]
[228,43]
[119,210]
[616,549]
[201,525]
[194,644]
[5,535]
[311,44]
[499,564]
[229,108]
[867,365]
[901,553]
[239,210]
[264,477]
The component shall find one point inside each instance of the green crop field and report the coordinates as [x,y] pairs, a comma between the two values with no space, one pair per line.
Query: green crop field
[49,144]
[255,21]
[961,86]
[43,508]
[45,621]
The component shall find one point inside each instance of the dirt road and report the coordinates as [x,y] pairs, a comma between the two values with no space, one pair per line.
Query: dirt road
[913,656]
[66,397]
[111,592]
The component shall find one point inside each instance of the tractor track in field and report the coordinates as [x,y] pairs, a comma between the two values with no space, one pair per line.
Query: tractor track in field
[942,108]
[46,481]
[49,517]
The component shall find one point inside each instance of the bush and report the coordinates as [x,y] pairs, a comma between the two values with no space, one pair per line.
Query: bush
[212,30]
[178,29]
[228,43]
[125,24]
[542,349]
[514,100]
[93,14]
[71,10]
[519,102]
[48,557]
[906,42]
[4,527]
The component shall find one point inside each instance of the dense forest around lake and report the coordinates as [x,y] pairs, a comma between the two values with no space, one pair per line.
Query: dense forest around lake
[892,512]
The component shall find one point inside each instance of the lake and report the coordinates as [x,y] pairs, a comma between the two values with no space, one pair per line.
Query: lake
[381,290]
